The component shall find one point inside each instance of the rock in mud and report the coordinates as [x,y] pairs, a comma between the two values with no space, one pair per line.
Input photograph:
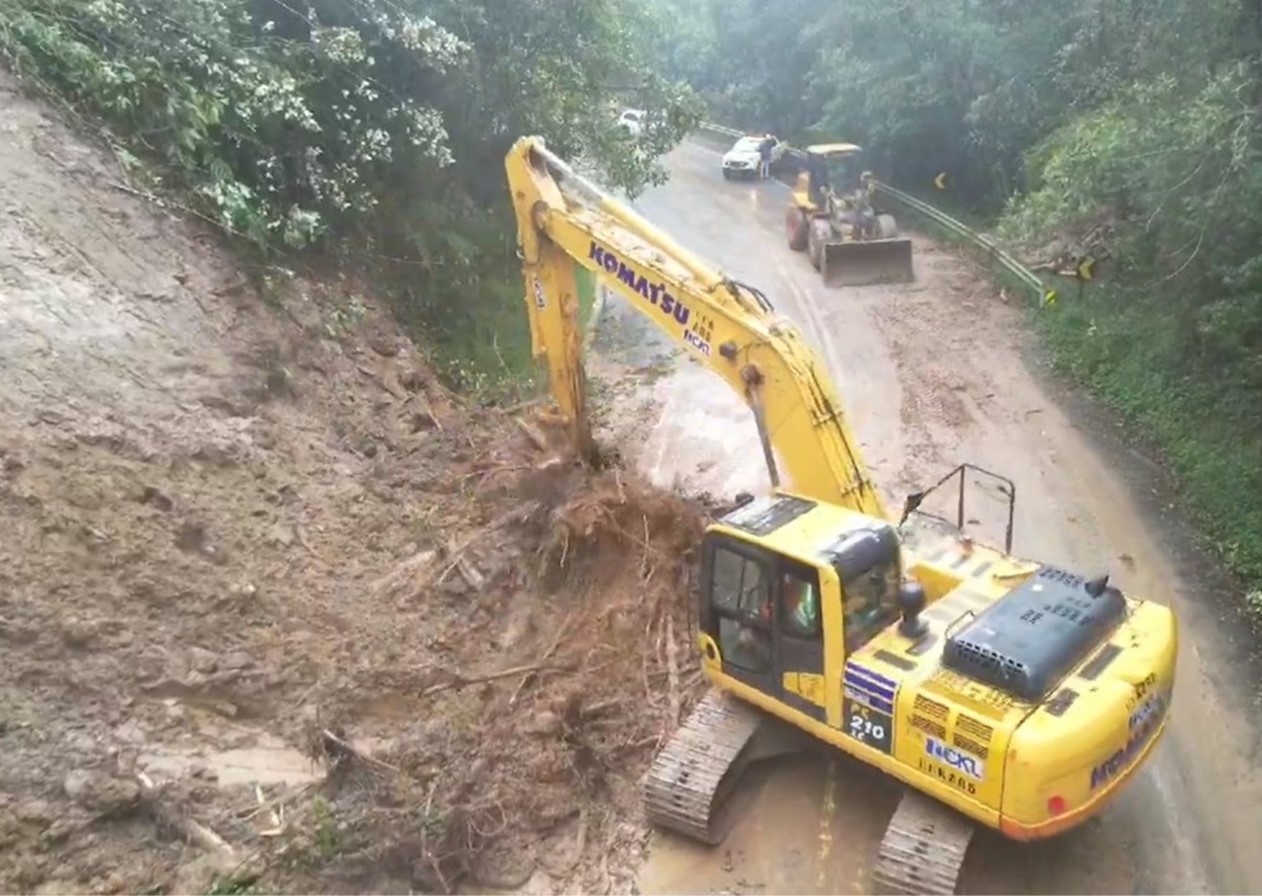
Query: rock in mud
[99,791]
[202,660]
[78,633]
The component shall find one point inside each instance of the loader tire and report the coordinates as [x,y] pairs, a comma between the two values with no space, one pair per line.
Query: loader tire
[797,228]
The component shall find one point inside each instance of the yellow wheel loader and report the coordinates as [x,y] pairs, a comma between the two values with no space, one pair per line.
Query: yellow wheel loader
[1002,692]
[832,217]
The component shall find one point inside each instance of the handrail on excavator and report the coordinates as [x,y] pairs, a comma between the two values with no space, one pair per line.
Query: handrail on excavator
[564,219]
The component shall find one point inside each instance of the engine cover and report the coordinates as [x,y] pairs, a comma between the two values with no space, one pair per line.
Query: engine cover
[1031,637]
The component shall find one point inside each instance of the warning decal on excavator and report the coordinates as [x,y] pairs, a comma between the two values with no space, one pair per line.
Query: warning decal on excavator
[870,688]
[868,707]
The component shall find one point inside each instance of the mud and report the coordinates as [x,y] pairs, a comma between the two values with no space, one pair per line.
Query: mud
[277,609]
[933,373]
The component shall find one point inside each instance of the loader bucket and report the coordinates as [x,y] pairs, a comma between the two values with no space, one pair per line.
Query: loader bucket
[865,262]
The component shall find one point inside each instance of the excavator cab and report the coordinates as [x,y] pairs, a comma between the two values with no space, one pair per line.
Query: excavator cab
[831,216]
[769,614]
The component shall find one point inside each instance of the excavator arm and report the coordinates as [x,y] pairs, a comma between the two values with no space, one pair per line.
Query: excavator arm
[563,219]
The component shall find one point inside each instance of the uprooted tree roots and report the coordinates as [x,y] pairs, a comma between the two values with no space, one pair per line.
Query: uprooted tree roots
[543,741]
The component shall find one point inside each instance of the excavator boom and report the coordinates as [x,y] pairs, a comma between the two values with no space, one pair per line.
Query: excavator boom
[563,219]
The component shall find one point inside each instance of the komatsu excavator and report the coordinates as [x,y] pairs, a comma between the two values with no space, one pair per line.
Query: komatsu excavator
[1001,692]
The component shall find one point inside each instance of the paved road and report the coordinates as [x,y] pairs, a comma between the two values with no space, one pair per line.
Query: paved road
[933,373]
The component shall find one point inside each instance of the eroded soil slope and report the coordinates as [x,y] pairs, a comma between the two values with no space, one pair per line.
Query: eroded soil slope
[275,606]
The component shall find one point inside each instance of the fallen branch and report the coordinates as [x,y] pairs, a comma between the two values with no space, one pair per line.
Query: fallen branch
[533,434]
[457,551]
[268,805]
[391,389]
[469,573]
[193,831]
[461,681]
[595,709]
[543,658]
[348,749]
[413,564]
[672,665]
[427,410]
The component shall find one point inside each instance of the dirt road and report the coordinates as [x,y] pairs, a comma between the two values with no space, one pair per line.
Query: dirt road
[934,373]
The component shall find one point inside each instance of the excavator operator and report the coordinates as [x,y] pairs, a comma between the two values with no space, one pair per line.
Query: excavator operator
[801,604]
[856,206]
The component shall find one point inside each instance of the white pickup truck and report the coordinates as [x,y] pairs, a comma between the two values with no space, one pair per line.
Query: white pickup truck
[632,121]
[742,159]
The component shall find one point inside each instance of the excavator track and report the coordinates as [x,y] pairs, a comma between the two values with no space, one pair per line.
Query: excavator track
[693,775]
[923,848]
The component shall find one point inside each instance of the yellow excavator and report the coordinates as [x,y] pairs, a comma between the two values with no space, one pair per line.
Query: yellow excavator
[1003,692]
[831,215]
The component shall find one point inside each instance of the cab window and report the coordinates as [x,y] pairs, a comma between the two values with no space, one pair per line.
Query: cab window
[741,597]
[871,603]
[843,172]
[799,604]
[869,565]
[739,586]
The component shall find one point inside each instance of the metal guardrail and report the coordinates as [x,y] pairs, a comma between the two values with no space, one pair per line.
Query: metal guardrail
[962,231]
[956,228]
[720,129]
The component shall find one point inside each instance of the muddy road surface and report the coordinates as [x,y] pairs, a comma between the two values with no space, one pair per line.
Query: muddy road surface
[933,373]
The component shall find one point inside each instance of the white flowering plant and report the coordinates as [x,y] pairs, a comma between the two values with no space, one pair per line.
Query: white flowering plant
[279,138]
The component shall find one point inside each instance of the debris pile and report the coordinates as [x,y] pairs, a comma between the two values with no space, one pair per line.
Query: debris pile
[539,739]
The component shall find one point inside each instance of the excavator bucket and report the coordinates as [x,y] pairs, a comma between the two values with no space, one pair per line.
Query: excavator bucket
[865,262]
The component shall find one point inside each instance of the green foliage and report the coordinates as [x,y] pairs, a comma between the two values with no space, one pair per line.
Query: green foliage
[279,139]
[1176,341]
[374,130]
[234,886]
[1209,438]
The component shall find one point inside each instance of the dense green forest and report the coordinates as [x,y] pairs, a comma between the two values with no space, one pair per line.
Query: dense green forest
[1129,128]
[370,131]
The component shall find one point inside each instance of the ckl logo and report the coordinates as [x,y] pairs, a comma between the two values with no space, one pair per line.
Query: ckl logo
[949,756]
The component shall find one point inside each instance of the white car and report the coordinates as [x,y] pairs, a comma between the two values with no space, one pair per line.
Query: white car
[632,121]
[742,159]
